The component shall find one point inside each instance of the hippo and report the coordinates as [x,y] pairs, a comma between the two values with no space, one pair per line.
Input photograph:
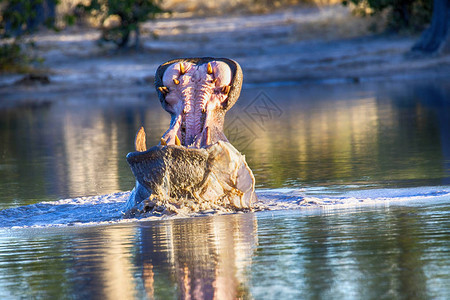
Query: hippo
[194,166]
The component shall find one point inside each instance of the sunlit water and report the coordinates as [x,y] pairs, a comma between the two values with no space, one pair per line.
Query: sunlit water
[357,178]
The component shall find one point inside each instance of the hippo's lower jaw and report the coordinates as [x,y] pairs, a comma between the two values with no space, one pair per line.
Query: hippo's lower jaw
[194,165]
[197,179]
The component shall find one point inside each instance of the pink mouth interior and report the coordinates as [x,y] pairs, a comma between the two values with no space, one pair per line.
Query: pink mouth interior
[194,97]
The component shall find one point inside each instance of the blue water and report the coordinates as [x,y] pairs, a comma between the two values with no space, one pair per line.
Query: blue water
[388,251]
[353,183]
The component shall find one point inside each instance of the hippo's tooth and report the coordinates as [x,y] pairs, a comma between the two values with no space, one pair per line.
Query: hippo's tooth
[226,89]
[139,141]
[209,68]
[214,80]
[176,81]
[163,90]
[163,142]
[208,136]
[177,141]
[182,70]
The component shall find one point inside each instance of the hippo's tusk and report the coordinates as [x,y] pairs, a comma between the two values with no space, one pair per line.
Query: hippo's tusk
[176,81]
[226,89]
[139,141]
[177,141]
[209,69]
[163,142]
[182,70]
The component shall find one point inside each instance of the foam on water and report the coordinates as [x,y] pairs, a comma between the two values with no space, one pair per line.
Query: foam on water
[107,209]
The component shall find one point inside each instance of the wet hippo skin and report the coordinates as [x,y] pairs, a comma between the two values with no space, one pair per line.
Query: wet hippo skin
[194,166]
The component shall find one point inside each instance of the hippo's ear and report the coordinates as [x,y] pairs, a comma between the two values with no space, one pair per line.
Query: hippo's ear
[235,85]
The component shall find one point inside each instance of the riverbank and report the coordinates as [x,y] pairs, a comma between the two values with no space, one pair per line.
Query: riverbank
[302,45]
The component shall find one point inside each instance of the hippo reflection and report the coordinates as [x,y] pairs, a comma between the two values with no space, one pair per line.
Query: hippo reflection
[194,166]
[201,258]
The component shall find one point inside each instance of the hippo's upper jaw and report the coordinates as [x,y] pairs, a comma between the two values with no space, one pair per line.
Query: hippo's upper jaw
[194,164]
[197,92]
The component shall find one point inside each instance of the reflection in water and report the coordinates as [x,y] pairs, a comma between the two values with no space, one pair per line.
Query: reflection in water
[96,147]
[347,135]
[384,253]
[206,257]
[69,149]
[202,258]
[102,263]
[395,253]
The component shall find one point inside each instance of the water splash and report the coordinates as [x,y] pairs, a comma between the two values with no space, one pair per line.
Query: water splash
[108,209]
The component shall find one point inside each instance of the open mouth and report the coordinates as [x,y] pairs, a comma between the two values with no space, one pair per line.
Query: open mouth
[194,159]
[197,93]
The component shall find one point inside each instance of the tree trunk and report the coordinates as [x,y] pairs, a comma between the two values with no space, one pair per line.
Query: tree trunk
[137,43]
[436,38]
[44,14]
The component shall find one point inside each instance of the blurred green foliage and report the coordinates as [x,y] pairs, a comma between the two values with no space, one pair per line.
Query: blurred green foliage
[12,57]
[410,15]
[124,15]
[17,18]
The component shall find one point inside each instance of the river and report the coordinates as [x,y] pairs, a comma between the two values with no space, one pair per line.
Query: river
[356,178]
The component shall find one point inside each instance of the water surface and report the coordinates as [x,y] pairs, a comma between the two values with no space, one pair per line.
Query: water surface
[364,170]
[383,253]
